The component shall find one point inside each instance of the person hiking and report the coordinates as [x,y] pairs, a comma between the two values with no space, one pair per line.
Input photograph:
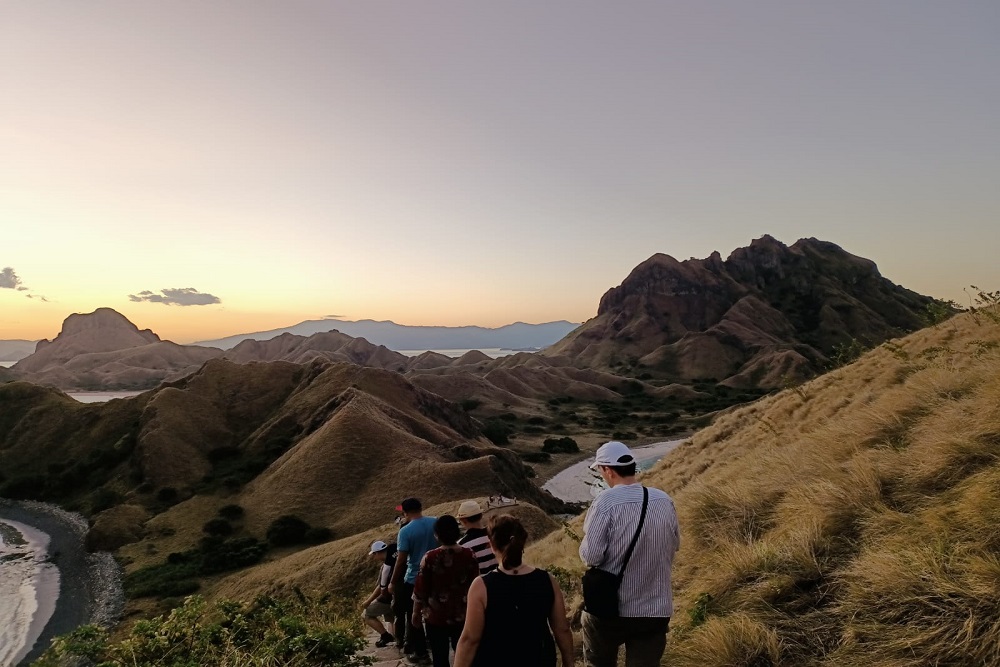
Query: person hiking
[631,535]
[415,539]
[515,610]
[441,589]
[470,514]
[378,605]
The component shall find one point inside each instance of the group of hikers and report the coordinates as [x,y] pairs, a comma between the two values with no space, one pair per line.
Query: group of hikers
[474,593]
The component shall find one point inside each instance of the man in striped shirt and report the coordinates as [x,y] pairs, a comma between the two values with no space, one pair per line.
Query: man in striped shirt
[471,517]
[645,599]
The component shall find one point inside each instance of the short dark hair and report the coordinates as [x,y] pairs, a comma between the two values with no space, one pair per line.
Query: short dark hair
[411,505]
[474,518]
[623,471]
[446,529]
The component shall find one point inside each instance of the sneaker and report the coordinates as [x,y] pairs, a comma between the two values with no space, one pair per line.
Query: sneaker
[385,640]
[417,660]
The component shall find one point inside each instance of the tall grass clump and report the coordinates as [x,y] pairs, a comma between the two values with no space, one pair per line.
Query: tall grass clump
[267,633]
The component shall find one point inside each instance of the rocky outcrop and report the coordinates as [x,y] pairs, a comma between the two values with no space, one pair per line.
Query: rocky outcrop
[103,350]
[766,316]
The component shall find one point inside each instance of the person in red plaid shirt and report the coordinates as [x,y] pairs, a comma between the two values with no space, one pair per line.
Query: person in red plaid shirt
[441,590]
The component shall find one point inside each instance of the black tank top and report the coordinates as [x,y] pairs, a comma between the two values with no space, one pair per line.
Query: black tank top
[516,631]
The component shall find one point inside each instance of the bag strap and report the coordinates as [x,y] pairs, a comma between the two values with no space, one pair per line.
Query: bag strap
[635,538]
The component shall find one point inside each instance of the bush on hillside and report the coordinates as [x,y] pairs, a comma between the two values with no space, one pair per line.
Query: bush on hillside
[565,445]
[178,576]
[286,531]
[231,512]
[217,527]
[318,535]
[497,431]
[266,633]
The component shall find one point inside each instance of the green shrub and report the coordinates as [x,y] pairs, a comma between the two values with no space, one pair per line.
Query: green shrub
[178,575]
[217,527]
[497,431]
[267,633]
[318,535]
[231,512]
[565,445]
[286,531]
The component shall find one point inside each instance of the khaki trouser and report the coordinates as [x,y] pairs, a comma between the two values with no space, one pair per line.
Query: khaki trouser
[645,639]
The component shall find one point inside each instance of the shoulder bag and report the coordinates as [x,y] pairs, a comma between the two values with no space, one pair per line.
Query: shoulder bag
[600,587]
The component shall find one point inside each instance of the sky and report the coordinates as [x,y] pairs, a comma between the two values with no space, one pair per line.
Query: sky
[211,168]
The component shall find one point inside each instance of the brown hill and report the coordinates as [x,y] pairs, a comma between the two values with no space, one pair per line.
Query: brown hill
[338,567]
[335,444]
[330,345]
[766,316]
[104,350]
[849,521]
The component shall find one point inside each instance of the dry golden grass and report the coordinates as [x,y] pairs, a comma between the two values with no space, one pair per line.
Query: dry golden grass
[849,521]
[343,566]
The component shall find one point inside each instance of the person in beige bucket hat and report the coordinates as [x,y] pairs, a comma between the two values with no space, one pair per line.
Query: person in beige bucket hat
[470,515]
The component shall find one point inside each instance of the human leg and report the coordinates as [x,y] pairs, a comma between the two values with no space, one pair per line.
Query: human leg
[645,641]
[415,642]
[438,638]
[402,607]
[601,639]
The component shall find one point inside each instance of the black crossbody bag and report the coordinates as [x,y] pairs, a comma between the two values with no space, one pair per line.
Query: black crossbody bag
[600,587]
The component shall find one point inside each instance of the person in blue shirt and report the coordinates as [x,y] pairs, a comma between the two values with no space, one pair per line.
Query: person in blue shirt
[415,539]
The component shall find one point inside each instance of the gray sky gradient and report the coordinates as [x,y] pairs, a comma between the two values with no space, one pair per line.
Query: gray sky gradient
[480,163]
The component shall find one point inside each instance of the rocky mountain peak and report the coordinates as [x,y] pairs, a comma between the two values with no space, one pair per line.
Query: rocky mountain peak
[103,320]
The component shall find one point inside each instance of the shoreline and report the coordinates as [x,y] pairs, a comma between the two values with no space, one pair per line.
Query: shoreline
[40,583]
[572,484]
[88,588]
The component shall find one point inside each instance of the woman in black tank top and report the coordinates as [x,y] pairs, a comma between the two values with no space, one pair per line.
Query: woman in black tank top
[514,611]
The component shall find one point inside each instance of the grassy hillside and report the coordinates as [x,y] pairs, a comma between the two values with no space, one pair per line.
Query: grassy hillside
[849,521]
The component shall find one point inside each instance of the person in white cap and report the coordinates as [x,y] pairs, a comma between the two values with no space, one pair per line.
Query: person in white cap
[630,533]
[379,602]
[470,515]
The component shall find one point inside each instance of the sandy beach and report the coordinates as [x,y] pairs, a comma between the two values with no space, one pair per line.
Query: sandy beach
[576,484]
[49,585]
[29,587]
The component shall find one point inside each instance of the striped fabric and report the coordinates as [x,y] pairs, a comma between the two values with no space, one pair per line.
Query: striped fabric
[477,540]
[610,524]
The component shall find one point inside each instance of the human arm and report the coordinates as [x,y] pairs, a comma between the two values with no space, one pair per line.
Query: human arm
[596,527]
[475,622]
[374,596]
[560,625]
[421,591]
[398,570]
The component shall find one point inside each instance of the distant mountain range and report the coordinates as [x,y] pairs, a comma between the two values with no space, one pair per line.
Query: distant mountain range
[768,316]
[13,350]
[517,336]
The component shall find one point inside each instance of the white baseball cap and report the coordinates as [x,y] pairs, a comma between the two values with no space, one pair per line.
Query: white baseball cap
[612,453]
[377,546]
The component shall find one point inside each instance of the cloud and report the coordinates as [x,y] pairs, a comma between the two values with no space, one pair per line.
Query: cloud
[37,296]
[180,296]
[333,317]
[9,280]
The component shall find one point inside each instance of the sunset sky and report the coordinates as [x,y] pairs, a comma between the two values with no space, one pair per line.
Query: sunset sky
[210,168]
